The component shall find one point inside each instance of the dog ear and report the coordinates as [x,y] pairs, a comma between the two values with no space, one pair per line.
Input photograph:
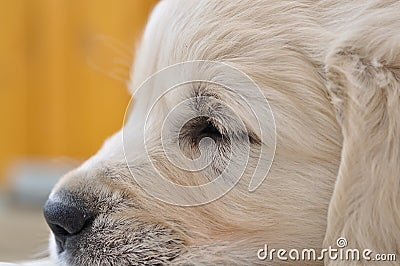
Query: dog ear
[363,73]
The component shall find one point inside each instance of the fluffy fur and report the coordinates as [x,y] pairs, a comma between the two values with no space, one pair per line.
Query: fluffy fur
[330,71]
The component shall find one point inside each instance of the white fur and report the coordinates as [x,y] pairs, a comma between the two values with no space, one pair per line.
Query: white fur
[315,62]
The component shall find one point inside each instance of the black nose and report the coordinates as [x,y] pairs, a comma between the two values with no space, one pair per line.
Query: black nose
[65,220]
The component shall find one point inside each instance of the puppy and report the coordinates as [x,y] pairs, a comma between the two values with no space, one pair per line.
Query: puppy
[255,123]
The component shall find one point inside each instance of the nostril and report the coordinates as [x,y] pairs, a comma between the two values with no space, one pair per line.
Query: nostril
[65,220]
[58,230]
[60,234]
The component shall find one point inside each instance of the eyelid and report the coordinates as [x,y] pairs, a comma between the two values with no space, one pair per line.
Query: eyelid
[217,126]
[242,134]
[252,137]
[212,128]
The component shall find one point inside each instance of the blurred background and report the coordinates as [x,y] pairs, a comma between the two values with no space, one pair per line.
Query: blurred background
[63,71]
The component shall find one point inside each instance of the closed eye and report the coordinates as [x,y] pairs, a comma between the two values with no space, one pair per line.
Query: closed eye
[209,130]
[201,127]
[198,128]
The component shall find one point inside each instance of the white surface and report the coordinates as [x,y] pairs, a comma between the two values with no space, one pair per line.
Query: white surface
[43,262]
[24,234]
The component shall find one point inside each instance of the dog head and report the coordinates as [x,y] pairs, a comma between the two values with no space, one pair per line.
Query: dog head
[222,102]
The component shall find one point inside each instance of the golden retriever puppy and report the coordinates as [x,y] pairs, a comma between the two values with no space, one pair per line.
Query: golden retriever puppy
[263,132]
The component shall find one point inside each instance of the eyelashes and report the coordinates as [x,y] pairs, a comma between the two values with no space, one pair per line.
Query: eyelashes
[198,128]
[205,127]
[210,130]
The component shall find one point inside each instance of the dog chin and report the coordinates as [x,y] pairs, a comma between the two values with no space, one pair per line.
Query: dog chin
[54,256]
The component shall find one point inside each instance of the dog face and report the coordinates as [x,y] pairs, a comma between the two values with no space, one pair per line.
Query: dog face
[119,207]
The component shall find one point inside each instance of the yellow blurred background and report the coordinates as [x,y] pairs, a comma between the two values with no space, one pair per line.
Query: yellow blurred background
[63,65]
[63,71]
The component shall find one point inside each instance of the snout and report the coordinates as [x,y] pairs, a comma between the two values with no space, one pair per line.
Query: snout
[66,218]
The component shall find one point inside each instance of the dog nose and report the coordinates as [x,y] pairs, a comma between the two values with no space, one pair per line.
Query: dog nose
[65,220]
